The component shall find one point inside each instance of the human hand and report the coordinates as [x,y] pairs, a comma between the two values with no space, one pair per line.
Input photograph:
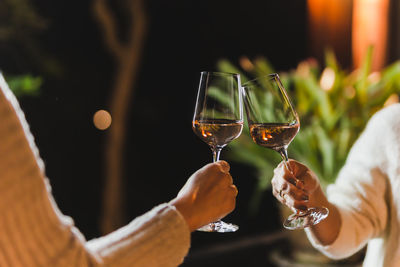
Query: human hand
[300,189]
[208,195]
[297,189]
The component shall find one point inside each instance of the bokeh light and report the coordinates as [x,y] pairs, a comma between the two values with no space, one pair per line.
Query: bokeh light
[102,119]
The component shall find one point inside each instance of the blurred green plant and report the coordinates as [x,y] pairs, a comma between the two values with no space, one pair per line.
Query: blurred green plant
[22,85]
[19,21]
[22,29]
[334,106]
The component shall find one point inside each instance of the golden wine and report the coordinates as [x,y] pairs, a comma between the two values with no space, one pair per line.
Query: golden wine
[217,132]
[273,135]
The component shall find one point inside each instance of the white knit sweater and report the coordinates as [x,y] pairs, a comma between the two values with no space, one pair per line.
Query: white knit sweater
[367,193]
[33,232]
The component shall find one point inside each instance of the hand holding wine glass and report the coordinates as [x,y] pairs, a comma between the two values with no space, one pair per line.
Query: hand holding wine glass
[218,119]
[208,195]
[274,123]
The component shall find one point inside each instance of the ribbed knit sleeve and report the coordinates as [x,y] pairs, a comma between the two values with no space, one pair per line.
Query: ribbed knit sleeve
[33,232]
[157,238]
[361,189]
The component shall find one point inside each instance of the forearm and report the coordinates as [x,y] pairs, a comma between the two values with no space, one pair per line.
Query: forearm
[159,237]
[186,213]
[327,230]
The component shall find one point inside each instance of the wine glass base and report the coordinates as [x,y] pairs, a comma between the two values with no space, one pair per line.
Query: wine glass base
[305,219]
[219,226]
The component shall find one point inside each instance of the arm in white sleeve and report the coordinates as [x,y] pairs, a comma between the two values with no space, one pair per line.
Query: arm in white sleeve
[160,237]
[35,233]
[359,192]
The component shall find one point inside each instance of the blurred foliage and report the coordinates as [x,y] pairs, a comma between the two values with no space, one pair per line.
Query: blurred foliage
[334,106]
[20,28]
[18,20]
[21,33]
[22,85]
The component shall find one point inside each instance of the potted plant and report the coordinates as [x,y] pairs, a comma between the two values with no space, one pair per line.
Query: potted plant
[334,106]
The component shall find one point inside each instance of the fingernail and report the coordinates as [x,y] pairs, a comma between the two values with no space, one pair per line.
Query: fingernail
[224,165]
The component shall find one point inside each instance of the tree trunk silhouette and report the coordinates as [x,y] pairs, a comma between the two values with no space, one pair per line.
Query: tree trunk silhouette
[127,59]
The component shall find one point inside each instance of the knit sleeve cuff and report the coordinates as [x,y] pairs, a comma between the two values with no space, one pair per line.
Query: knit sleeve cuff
[343,246]
[160,237]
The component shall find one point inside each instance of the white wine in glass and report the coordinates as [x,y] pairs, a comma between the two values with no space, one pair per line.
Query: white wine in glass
[274,123]
[217,120]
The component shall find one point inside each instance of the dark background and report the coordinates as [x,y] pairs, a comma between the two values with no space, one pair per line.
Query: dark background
[184,38]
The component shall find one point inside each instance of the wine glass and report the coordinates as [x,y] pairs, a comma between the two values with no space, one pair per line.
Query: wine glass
[217,120]
[273,123]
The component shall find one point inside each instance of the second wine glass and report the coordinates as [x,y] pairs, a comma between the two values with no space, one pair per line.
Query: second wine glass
[217,120]
[273,123]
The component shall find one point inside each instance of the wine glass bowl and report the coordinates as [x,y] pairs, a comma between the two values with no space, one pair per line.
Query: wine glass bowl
[217,133]
[273,123]
[218,120]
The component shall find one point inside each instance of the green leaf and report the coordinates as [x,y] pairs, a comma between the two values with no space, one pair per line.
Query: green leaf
[24,84]
[364,72]
[331,121]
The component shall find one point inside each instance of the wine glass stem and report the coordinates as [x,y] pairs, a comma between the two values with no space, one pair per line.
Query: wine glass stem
[216,152]
[283,152]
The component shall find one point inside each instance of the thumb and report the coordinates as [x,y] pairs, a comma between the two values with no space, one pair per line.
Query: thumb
[225,167]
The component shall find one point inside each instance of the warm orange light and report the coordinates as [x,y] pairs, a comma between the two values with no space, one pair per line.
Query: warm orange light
[370,27]
[392,99]
[246,64]
[266,136]
[102,119]
[205,133]
[350,92]
[329,27]
[303,69]
[329,12]
[327,79]
[330,20]
[374,77]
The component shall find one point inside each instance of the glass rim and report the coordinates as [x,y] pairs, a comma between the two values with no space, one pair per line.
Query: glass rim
[220,73]
[271,76]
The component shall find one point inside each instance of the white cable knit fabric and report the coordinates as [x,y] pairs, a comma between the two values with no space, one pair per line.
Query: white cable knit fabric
[367,193]
[33,232]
